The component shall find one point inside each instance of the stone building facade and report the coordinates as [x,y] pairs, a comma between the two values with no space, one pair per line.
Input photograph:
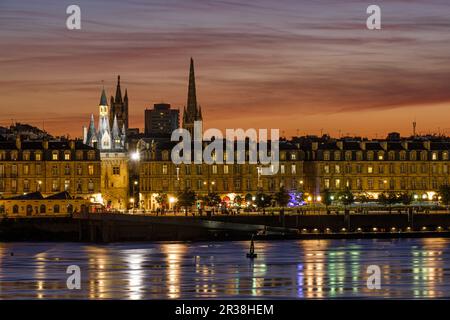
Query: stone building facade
[49,167]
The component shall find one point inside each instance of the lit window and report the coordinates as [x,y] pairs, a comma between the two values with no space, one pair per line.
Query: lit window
[91,170]
[67,156]
[54,156]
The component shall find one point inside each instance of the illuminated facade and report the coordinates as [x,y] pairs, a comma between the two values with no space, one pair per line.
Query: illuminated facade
[49,167]
[418,167]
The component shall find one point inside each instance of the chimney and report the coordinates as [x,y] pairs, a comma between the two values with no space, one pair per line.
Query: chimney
[18,142]
[45,144]
[85,132]
[405,145]
[362,145]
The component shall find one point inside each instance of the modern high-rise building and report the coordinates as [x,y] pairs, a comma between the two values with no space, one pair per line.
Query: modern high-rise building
[161,120]
[193,111]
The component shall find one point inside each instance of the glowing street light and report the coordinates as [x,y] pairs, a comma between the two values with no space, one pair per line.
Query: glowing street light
[135,156]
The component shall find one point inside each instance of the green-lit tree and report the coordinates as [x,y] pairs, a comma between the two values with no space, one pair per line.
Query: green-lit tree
[444,193]
[347,198]
[162,200]
[388,200]
[212,199]
[186,199]
[263,200]
[282,197]
[327,199]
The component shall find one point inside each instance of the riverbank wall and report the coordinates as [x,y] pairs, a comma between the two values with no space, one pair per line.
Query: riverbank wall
[106,227]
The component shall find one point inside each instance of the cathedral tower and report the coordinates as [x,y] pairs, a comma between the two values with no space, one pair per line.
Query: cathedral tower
[119,108]
[193,111]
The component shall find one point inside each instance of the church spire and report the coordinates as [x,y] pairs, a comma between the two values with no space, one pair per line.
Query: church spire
[91,134]
[103,100]
[192,94]
[118,91]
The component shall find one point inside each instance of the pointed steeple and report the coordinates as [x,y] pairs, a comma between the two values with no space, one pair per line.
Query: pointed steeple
[115,129]
[199,116]
[103,99]
[118,91]
[192,94]
[126,95]
[91,134]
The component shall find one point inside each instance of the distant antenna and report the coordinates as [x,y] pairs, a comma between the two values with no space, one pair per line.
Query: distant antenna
[414,127]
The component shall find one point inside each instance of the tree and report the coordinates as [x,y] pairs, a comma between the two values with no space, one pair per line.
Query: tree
[212,199]
[186,199]
[444,193]
[406,198]
[388,199]
[346,197]
[161,200]
[327,199]
[238,200]
[282,197]
[263,200]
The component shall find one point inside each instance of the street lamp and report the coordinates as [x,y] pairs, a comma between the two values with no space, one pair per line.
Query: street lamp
[135,156]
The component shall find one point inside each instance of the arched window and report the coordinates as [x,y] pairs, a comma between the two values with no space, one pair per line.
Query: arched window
[56,208]
[29,210]
[42,208]
[16,209]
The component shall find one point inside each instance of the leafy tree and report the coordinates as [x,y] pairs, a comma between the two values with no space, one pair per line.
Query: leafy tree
[186,199]
[248,197]
[327,199]
[282,197]
[238,200]
[444,193]
[388,199]
[406,198]
[263,200]
[212,199]
[161,199]
[346,197]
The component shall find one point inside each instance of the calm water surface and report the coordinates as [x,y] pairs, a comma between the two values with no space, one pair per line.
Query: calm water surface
[304,269]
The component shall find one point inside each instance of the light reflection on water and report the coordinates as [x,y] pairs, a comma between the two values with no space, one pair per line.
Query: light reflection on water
[411,268]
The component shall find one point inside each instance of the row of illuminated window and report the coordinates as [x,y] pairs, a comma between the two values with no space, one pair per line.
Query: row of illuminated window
[219,184]
[42,209]
[56,185]
[214,169]
[382,155]
[55,170]
[381,183]
[391,168]
[55,155]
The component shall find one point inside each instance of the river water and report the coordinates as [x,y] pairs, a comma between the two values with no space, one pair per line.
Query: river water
[303,269]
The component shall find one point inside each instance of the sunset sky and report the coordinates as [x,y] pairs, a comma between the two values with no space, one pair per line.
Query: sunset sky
[301,66]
